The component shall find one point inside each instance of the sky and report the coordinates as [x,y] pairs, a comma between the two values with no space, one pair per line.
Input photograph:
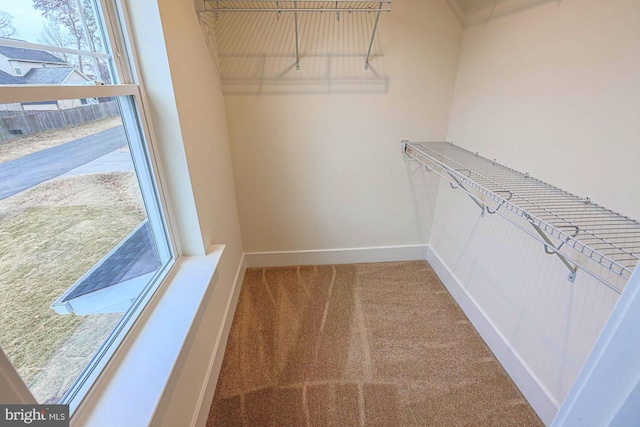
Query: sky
[28,22]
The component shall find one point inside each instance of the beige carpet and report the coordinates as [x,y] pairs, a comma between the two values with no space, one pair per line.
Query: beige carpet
[359,345]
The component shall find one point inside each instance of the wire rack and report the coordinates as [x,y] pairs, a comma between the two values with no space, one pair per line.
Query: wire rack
[568,226]
[298,6]
[337,7]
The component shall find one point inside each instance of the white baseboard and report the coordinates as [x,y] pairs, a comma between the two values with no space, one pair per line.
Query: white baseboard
[536,394]
[215,364]
[336,256]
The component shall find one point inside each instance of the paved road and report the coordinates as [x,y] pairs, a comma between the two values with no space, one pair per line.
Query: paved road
[23,173]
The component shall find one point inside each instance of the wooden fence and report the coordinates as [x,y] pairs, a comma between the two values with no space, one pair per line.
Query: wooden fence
[14,124]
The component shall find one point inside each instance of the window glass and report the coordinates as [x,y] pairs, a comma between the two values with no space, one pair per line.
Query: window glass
[76,244]
[83,238]
[60,35]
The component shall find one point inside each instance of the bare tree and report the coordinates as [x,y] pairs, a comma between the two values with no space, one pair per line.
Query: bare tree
[66,14]
[67,28]
[95,41]
[54,35]
[6,25]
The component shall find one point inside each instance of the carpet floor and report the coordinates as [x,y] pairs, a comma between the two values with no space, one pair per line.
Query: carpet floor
[359,345]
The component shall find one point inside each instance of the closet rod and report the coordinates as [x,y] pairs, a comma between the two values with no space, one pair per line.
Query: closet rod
[300,10]
[294,6]
[589,232]
[302,6]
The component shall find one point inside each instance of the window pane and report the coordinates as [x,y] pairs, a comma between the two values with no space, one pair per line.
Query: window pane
[81,235]
[77,50]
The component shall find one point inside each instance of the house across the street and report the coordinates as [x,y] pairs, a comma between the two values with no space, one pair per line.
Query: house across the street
[21,66]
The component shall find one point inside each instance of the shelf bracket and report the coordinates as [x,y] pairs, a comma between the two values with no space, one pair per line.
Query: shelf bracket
[573,269]
[296,7]
[493,211]
[459,184]
[373,36]
[594,236]
[295,16]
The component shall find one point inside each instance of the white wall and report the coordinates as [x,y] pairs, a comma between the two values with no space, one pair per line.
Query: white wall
[316,153]
[25,67]
[188,111]
[6,66]
[76,78]
[607,390]
[550,88]
[317,162]
[550,323]
[155,75]
[43,107]
[65,104]
[553,89]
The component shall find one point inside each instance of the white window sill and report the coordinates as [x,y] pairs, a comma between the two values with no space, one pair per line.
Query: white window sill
[130,388]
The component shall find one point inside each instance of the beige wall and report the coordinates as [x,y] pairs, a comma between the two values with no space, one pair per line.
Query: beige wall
[550,323]
[551,89]
[203,124]
[317,164]
[155,75]
[316,152]
[187,108]
[554,90]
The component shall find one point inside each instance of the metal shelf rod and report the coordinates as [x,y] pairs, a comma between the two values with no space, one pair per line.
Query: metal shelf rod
[591,216]
[603,248]
[603,236]
[557,201]
[294,10]
[584,206]
[524,185]
[585,212]
[538,224]
[624,236]
[373,36]
[620,232]
[577,216]
[296,7]
[622,272]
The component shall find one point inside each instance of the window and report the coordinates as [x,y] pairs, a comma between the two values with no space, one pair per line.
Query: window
[84,239]
[16,68]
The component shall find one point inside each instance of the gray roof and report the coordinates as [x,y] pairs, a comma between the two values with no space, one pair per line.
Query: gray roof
[47,76]
[8,79]
[38,76]
[136,256]
[21,54]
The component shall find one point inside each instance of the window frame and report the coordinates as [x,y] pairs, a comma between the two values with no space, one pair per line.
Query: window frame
[16,68]
[120,49]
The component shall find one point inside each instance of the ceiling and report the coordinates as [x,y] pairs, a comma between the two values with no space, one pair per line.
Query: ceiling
[471,12]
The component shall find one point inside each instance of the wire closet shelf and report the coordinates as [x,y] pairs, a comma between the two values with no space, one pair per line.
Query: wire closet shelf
[298,6]
[570,227]
[376,7]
